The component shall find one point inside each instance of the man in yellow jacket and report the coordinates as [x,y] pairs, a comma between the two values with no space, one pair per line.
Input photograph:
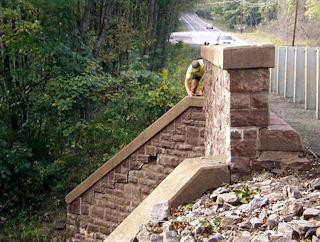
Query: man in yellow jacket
[194,72]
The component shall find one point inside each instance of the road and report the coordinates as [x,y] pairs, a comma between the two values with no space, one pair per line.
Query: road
[198,34]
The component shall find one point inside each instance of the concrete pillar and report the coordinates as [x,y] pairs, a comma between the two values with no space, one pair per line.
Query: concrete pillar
[236,83]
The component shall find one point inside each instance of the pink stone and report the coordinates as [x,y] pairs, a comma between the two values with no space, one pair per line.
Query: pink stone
[258,118]
[259,101]
[151,150]
[249,80]
[240,165]
[241,101]
[193,135]
[97,212]
[88,196]
[74,207]
[280,138]
[235,134]
[245,148]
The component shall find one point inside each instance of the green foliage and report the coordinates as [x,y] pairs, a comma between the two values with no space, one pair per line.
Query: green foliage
[250,14]
[63,113]
[313,9]
[244,195]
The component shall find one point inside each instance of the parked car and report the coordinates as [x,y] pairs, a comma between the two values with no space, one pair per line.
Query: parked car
[209,26]
[225,40]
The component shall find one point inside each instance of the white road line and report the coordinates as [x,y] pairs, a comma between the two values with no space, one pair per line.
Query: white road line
[184,19]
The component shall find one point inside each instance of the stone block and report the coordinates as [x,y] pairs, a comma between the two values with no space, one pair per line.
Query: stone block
[235,134]
[92,228]
[246,147]
[185,147]
[143,158]
[74,207]
[132,179]
[240,165]
[88,196]
[151,150]
[240,101]
[160,211]
[97,212]
[121,177]
[178,138]
[135,164]
[258,118]
[249,80]
[197,115]
[250,134]
[168,160]
[259,101]
[259,165]
[280,138]
[192,135]
[84,209]
[167,144]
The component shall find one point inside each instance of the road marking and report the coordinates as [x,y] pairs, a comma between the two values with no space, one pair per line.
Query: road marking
[184,19]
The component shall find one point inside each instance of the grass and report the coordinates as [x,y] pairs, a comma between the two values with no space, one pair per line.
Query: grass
[181,27]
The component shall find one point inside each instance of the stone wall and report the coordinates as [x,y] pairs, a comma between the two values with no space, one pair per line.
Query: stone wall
[217,110]
[236,84]
[97,212]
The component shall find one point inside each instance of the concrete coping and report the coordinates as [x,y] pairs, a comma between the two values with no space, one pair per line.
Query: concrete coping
[239,57]
[135,144]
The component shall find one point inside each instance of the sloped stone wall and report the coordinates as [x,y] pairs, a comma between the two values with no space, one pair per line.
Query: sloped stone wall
[97,212]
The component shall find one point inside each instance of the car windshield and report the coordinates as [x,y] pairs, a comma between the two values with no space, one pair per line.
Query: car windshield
[225,38]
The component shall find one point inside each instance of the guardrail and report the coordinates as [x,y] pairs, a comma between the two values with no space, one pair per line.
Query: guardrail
[296,75]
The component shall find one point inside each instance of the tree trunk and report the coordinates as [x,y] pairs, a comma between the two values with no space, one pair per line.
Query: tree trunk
[85,20]
[106,19]
[150,26]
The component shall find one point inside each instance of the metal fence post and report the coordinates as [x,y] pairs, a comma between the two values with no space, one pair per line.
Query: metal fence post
[310,85]
[289,73]
[318,85]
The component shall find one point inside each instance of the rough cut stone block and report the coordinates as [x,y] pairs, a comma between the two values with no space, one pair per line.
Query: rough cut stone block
[249,80]
[88,196]
[242,118]
[97,212]
[74,207]
[84,209]
[259,165]
[160,211]
[236,134]
[121,178]
[240,165]
[151,150]
[280,138]
[250,133]
[241,101]
[259,101]
[192,136]
[245,148]
[197,115]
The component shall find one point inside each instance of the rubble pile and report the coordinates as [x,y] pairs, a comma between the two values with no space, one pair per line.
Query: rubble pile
[268,207]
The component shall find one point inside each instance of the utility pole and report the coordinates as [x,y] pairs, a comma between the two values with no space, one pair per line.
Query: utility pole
[241,16]
[295,23]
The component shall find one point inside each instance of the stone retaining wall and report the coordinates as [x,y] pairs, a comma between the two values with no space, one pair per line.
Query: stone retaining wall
[97,212]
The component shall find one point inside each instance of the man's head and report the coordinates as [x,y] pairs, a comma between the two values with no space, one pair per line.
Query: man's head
[195,66]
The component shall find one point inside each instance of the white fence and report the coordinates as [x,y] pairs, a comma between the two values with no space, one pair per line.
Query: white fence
[296,75]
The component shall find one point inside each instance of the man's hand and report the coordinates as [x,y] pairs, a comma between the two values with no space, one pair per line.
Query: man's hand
[190,94]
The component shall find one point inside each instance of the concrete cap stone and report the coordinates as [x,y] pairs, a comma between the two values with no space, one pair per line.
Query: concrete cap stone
[239,57]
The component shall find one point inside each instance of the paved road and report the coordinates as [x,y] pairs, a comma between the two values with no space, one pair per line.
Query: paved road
[198,34]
